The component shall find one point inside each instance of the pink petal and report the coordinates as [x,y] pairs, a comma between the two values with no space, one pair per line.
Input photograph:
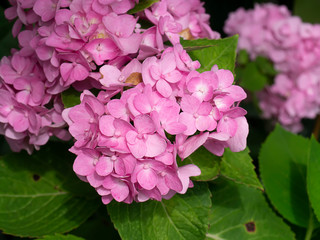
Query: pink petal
[83,165]
[225,78]
[239,141]
[95,180]
[227,125]
[155,145]
[144,124]
[192,144]
[120,192]
[188,120]
[106,125]
[164,88]
[104,166]
[147,178]
[184,173]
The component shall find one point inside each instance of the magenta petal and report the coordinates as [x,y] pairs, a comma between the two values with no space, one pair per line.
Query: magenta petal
[215,147]
[110,75]
[192,144]
[185,172]
[164,88]
[239,141]
[107,199]
[227,125]
[147,178]
[155,145]
[138,149]
[95,180]
[190,104]
[203,123]
[175,128]
[120,192]
[144,124]
[119,167]
[225,78]
[173,77]
[106,125]
[116,108]
[18,120]
[104,166]
[142,104]
[188,120]
[173,182]
[83,165]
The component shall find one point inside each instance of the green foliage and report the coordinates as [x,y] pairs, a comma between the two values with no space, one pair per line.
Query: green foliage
[61,237]
[182,217]
[308,10]
[239,168]
[240,212]
[143,4]
[70,97]
[40,194]
[254,75]
[208,163]
[283,166]
[313,176]
[210,52]
[7,41]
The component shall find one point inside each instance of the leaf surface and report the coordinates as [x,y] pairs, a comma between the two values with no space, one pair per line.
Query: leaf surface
[210,52]
[180,218]
[241,212]
[41,195]
[283,166]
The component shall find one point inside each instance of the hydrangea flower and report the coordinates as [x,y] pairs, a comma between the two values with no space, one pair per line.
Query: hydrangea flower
[294,48]
[125,152]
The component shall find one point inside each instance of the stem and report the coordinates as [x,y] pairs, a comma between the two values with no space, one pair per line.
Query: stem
[310,226]
[316,129]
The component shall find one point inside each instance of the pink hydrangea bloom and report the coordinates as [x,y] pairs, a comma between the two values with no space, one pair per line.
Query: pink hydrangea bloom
[294,48]
[152,105]
[124,150]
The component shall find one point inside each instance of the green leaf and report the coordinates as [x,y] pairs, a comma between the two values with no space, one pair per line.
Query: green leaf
[61,237]
[208,163]
[41,195]
[243,57]
[210,52]
[180,218]
[251,78]
[143,4]
[241,212]
[283,160]
[313,176]
[238,167]
[97,227]
[308,10]
[70,97]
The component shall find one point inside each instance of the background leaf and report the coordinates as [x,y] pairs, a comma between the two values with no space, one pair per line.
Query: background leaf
[283,160]
[210,52]
[238,167]
[70,97]
[181,217]
[208,163]
[313,176]
[241,212]
[61,237]
[41,195]
[143,4]
[308,10]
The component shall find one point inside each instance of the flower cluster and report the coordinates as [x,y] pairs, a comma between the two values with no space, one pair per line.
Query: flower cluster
[67,43]
[294,48]
[127,146]
[152,105]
